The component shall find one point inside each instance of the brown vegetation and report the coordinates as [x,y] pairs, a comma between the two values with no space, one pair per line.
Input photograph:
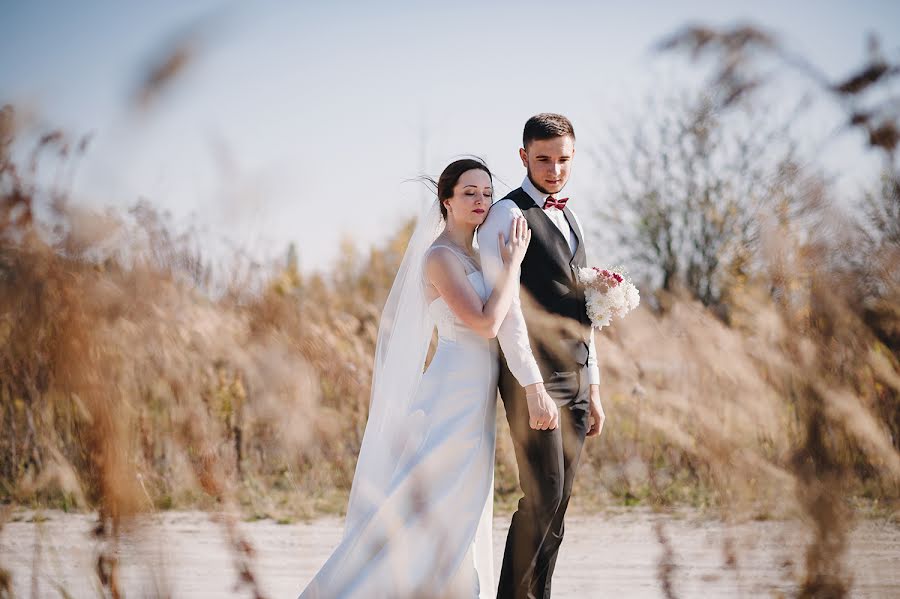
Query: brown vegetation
[127,385]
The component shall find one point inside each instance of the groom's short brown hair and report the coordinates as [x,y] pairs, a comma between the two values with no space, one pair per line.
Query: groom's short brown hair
[546,125]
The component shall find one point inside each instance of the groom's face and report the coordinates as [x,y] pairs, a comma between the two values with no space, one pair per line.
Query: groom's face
[549,162]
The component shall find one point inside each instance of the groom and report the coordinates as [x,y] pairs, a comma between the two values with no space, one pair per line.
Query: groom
[549,383]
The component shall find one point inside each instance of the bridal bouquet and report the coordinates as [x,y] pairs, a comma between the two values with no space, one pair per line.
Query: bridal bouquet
[607,293]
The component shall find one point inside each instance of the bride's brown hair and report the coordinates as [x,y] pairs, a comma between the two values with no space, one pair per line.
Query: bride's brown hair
[450,177]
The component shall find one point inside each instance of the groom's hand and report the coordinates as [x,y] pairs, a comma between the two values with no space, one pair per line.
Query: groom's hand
[597,417]
[542,411]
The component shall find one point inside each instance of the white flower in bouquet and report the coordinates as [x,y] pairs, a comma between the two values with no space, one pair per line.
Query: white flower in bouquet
[607,293]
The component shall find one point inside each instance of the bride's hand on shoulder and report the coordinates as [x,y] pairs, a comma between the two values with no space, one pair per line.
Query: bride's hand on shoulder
[513,251]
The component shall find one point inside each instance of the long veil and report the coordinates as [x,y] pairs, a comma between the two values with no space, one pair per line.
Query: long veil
[400,351]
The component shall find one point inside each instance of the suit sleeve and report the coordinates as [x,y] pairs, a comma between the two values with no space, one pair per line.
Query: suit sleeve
[513,334]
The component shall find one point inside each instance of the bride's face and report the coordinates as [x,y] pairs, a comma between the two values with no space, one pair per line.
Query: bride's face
[471,198]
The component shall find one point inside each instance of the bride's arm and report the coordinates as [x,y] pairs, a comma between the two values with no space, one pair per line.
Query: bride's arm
[446,273]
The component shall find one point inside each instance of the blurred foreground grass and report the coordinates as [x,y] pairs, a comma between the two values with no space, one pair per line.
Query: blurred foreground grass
[761,381]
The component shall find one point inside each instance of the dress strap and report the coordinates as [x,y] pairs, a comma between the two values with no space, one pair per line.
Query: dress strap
[468,262]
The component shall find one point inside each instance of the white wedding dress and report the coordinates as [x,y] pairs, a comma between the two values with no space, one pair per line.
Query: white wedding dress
[429,533]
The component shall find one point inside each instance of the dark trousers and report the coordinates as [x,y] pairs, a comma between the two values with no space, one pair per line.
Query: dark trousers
[547,461]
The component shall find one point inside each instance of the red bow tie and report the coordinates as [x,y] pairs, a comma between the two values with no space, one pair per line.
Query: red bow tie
[552,202]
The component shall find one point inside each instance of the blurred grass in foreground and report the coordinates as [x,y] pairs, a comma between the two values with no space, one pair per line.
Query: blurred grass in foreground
[129,386]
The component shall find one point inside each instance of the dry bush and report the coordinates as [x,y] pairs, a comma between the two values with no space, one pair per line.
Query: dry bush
[687,188]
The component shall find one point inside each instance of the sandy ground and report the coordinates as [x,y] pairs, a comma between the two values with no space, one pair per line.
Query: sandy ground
[184,554]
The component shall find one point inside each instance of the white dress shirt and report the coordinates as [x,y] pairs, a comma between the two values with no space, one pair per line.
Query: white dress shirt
[513,334]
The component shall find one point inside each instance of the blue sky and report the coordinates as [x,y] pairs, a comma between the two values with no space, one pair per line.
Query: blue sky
[301,122]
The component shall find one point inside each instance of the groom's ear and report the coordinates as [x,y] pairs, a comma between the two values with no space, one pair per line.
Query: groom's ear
[524,156]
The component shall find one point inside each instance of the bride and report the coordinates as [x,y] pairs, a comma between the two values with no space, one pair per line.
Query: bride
[420,512]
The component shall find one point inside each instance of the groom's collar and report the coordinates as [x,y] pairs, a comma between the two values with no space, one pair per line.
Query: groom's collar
[533,192]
